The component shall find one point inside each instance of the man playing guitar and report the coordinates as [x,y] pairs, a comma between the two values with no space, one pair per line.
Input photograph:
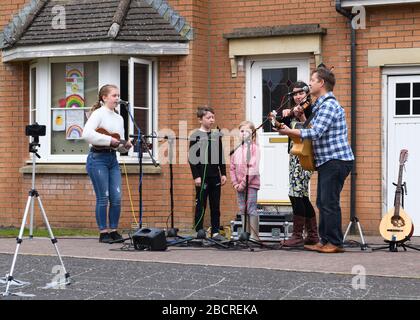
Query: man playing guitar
[333,157]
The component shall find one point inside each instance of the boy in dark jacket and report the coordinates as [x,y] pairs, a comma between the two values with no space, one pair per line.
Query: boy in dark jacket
[208,169]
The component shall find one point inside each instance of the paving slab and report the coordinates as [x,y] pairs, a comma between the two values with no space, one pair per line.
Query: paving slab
[376,263]
[103,279]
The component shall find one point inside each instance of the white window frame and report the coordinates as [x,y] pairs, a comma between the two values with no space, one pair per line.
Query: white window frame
[31,102]
[108,72]
[152,103]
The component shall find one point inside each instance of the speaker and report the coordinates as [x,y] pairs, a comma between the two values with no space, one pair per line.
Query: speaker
[152,239]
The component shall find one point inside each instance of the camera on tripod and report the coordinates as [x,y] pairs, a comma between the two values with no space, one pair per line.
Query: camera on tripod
[35,131]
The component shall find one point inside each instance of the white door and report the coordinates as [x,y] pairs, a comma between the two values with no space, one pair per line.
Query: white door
[404,133]
[267,84]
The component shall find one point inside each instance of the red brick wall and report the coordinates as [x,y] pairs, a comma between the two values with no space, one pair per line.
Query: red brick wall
[228,15]
[204,77]
[387,27]
[69,200]
[13,105]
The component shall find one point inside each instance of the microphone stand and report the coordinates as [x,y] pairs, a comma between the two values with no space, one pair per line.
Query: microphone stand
[244,237]
[173,232]
[139,142]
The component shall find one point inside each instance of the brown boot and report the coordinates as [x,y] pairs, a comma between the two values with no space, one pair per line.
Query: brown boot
[296,240]
[311,231]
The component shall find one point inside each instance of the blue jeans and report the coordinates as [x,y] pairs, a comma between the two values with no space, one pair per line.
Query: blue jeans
[104,172]
[331,177]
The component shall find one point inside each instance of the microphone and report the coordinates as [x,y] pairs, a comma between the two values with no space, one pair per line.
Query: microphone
[304,89]
[123,102]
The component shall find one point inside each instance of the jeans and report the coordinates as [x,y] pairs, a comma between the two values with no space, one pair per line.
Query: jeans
[104,172]
[212,189]
[331,177]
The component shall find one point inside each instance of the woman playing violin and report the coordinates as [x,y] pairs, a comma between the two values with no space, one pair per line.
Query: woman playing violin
[303,211]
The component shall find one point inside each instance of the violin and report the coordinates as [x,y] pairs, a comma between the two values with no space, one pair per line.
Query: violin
[305,103]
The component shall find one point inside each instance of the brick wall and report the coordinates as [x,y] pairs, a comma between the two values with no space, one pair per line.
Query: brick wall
[69,200]
[13,104]
[203,77]
[387,27]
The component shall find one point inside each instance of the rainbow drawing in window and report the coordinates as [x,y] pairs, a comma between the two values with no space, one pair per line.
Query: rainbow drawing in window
[74,132]
[74,79]
[75,70]
[75,101]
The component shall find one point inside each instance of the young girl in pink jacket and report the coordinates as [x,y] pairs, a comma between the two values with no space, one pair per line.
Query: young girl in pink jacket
[245,161]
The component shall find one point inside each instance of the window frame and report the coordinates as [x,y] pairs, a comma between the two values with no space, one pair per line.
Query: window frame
[152,102]
[108,72]
[411,99]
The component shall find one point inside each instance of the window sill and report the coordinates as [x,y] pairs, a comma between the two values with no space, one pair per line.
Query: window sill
[81,169]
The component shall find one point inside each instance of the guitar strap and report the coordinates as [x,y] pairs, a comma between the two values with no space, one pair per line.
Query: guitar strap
[313,114]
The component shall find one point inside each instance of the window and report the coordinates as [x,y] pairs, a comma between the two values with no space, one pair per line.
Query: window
[275,85]
[141,88]
[407,98]
[74,89]
[62,92]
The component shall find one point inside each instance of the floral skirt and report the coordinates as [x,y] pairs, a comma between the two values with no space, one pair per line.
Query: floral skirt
[298,178]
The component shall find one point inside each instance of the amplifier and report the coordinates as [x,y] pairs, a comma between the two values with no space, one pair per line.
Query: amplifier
[152,239]
[272,227]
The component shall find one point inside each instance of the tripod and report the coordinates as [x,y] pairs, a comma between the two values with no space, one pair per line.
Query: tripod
[33,193]
[355,220]
[393,245]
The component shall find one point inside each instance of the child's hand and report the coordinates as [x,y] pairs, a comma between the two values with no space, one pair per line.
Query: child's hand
[223,180]
[197,182]
[240,188]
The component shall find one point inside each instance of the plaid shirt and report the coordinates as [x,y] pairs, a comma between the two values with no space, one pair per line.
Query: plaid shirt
[328,132]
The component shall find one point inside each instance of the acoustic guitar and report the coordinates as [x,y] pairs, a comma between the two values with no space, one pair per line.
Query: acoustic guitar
[121,147]
[396,225]
[301,148]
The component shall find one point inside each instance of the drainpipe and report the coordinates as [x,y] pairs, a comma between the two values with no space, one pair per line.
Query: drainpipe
[349,16]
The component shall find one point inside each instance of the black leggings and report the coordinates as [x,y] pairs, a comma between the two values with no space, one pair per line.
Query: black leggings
[212,191]
[302,206]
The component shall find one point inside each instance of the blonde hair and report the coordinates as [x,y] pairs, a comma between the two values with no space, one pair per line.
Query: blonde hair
[104,91]
[251,125]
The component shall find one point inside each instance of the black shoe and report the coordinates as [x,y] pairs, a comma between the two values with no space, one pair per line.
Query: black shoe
[116,237]
[104,237]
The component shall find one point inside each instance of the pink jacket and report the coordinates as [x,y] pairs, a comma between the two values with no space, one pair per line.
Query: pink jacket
[238,167]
